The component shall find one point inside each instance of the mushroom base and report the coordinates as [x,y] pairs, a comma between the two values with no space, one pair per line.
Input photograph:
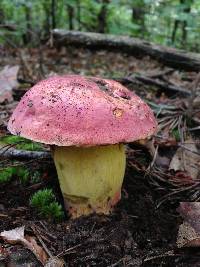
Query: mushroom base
[90,177]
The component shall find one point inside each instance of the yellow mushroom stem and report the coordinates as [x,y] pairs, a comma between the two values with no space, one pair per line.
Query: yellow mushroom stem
[90,177]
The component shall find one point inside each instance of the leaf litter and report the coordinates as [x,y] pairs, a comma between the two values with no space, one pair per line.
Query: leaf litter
[160,173]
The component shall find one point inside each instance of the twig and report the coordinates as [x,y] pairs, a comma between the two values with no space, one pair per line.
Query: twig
[161,74]
[163,199]
[154,157]
[194,129]
[42,242]
[161,85]
[67,250]
[22,163]
[116,263]
[20,80]
[150,81]
[168,254]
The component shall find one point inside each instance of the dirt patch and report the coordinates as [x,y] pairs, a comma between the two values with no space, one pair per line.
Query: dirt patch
[132,236]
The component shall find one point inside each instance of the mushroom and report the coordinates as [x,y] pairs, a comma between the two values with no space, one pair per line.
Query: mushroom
[86,121]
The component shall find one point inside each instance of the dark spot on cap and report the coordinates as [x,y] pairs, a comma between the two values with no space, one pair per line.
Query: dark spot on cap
[30,104]
[102,85]
[127,97]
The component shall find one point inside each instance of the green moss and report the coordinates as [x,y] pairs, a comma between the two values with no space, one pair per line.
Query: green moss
[6,174]
[21,172]
[21,143]
[45,203]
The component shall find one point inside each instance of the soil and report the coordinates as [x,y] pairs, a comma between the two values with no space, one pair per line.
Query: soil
[138,232]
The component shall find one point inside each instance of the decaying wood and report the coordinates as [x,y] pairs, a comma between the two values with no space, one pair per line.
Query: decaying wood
[169,56]
[12,153]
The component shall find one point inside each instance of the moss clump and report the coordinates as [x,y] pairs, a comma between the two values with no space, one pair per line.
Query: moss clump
[45,203]
[6,174]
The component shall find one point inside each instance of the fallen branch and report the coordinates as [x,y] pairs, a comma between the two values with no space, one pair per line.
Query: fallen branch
[12,153]
[169,56]
[162,85]
[155,82]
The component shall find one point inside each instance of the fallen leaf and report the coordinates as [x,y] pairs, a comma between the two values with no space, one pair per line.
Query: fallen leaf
[186,159]
[8,81]
[189,230]
[17,236]
[13,236]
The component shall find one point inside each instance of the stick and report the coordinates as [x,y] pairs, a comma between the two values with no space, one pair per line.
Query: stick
[13,153]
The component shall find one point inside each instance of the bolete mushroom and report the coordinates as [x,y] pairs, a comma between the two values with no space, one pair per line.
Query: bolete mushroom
[86,121]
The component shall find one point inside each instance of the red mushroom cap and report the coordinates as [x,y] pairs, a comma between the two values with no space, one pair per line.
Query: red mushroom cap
[73,110]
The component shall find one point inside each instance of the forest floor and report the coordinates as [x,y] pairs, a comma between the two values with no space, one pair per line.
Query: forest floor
[145,228]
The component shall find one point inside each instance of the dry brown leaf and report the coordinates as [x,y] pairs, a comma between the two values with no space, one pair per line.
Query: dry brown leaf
[186,159]
[189,230]
[8,81]
[17,236]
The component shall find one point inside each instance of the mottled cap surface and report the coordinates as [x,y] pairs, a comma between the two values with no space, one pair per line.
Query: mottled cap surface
[74,110]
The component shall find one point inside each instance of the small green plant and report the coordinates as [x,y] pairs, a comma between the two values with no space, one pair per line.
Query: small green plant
[22,173]
[176,134]
[45,203]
